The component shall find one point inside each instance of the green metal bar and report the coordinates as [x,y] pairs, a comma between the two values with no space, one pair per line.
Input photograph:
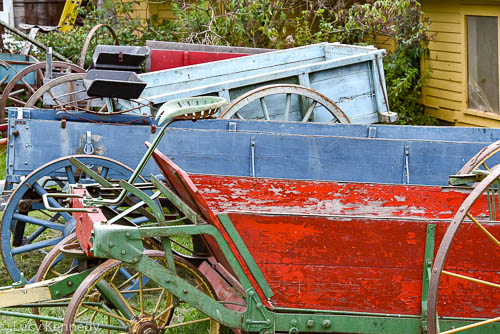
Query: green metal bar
[112,296]
[145,198]
[245,253]
[190,294]
[427,268]
[103,182]
[68,285]
[179,204]
[59,320]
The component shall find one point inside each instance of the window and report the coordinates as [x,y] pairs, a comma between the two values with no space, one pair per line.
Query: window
[482,63]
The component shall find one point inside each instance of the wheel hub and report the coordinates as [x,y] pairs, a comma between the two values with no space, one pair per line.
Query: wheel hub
[144,326]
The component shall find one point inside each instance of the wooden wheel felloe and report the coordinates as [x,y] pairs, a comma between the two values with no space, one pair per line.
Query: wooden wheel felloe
[91,36]
[285,102]
[480,160]
[109,302]
[18,90]
[465,279]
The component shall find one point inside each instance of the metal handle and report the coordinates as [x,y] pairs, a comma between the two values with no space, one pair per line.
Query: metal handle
[46,197]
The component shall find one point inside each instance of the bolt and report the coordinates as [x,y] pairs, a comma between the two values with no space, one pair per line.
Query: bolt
[123,252]
[259,305]
[27,127]
[127,234]
[251,293]
[310,323]
[185,292]
[70,283]
[268,321]
[57,293]
[167,280]
[293,322]
[267,332]
[326,323]
[111,244]
[136,259]
[11,145]
[15,133]
[26,163]
[249,321]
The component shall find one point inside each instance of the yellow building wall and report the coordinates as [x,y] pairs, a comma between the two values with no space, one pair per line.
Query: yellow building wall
[162,10]
[445,91]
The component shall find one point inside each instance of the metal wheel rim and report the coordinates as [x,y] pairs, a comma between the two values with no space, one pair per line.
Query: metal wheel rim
[259,93]
[24,186]
[446,242]
[88,39]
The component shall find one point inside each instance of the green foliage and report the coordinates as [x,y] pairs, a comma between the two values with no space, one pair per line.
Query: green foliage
[129,31]
[257,23]
[360,24]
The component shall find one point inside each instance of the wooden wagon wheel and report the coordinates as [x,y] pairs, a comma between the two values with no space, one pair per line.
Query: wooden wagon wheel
[151,309]
[308,99]
[7,67]
[18,90]
[91,35]
[28,230]
[465,278]
[479,161]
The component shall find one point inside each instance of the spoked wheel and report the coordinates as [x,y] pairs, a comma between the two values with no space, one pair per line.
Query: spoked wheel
[28,230]
[94,37]
[287,103]
[67,92]
[465,279]
[27,81]
[481,159]
[106,301]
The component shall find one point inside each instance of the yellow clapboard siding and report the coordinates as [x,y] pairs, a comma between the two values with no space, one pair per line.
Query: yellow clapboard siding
[448,37]
[445,56]
[445,27]
[445,17]
[448,47]
[444,84]
[442,103]
[443,114]
[446,75]
[479,119]
[445,94]
[443,65]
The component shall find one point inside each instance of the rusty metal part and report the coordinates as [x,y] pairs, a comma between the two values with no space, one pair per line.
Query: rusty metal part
[88,39]
[260,93]
[37,69]
[446,242]
[480,158]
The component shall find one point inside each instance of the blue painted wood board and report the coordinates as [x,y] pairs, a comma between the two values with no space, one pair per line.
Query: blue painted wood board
[282,150]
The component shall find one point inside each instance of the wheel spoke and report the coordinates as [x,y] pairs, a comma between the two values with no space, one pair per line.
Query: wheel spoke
[471,279]
[158,301]
[38,221]
[35,246]
[264,108]
[186,323]
[471,326]
[485,231]
[95,309]
[309,111]
[141,295]
[70,175]
[287,106]
[239,116]
[485,166]
[36,234]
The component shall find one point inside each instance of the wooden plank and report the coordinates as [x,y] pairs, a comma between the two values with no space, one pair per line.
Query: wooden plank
[444,85]
[448,37]
[443,65]
[445,27]
[446,75]
[441,113]
[373,265]
[445,94]
[446,47]
[446,56]
[440,102]
[445,17]
[329,198]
